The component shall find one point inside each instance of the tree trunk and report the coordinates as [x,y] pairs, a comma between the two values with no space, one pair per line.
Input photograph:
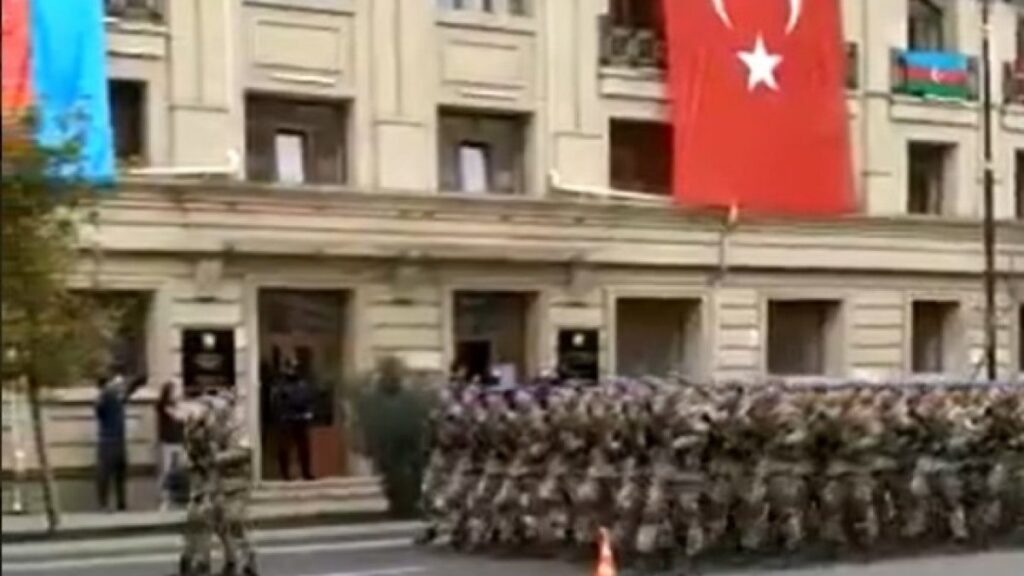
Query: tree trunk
[46,472]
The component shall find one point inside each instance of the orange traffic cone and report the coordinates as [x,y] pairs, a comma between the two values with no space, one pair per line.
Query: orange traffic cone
[605,560]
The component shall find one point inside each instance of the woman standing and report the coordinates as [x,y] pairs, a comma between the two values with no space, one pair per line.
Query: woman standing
[170,436]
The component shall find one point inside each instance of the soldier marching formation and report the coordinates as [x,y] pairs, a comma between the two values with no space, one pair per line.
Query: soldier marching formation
[220,476]
[672,469]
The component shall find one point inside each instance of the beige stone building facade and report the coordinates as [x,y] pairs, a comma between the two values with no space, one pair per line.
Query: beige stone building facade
[342,180]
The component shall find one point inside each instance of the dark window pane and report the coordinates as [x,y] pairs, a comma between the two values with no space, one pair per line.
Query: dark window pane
[798,337]
[927,177]
[127,113]
[641,156]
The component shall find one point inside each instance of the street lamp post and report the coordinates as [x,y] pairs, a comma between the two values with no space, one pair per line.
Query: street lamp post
[989,185]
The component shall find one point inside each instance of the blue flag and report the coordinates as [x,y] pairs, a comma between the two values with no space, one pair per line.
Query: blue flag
[69,73]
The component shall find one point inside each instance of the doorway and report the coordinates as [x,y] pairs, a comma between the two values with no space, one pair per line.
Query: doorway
[493,334]
[305,328]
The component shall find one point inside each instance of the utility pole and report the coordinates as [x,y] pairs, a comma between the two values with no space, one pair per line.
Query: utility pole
[989,185]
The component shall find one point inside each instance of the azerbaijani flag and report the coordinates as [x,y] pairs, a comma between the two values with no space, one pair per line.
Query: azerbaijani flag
[54,61]
[940,74]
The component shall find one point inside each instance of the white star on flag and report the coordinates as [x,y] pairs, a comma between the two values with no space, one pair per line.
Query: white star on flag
[761,66]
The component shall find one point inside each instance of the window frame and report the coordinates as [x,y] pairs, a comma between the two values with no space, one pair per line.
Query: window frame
[832,335]
[267,115]
[938,157]
[506,138]
[928,17]
[953,353]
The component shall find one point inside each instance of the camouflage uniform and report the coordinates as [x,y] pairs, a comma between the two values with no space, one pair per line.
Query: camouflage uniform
[233,461]
[788,469]
[704,467]
[198,529]
[688,440]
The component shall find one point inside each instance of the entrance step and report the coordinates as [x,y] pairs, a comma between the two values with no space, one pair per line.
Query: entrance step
[349,489]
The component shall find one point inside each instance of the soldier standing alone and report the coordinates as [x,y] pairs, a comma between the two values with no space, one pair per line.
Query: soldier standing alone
[220,487]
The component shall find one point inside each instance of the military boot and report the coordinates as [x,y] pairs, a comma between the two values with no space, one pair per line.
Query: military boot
[186,567]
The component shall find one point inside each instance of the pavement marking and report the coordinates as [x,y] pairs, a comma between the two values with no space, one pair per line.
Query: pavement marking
[165,558]
[151,544]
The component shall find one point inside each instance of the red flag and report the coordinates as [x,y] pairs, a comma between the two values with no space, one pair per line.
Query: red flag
[16,87]
[758,105]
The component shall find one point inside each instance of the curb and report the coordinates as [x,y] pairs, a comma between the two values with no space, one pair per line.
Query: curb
[175,526]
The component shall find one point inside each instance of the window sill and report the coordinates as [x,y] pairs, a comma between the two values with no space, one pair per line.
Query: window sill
[140,27]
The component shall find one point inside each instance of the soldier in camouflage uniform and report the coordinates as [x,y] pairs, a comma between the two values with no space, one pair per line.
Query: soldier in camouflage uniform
[703,467]
[233,476]
[198,528]
[688,439]
[788,466]
[219,465]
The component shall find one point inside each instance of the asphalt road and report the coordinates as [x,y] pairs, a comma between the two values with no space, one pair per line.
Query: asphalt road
[302,554]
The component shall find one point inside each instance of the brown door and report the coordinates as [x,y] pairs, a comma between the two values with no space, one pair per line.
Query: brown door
[317,348]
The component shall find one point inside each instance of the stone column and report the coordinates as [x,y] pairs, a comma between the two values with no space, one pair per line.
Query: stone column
[206,93]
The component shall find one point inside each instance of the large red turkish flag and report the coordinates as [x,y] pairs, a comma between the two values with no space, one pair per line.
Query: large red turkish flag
[758,105]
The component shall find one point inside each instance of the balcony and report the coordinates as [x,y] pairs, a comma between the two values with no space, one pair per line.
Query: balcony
[627,46]
[152,11]
[934,75]
[1013,82]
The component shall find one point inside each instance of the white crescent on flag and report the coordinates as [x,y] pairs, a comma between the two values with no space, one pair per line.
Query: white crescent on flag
[795,10]
[723,14]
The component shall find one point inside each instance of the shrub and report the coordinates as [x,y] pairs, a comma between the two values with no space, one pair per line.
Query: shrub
[393,417]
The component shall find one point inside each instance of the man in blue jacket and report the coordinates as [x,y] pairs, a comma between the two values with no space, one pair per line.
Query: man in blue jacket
[112,456]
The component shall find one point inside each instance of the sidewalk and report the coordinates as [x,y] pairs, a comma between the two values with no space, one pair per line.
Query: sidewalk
[17,528]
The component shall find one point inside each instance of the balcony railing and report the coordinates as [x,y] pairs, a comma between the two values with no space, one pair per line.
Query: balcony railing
[630,46]
[951,84]
[137,10]
[1013,82]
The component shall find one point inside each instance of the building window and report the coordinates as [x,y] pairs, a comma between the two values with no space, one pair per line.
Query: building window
[636,14]
[474,167]
[641,156]
[482,153]
[493,336]
[1020,339]
[514,7]
[803,337]
[127,114]
[657,336]
[933,334]
[632,34]
[1020,39]
[930,171]
[295,142]
[926,25]
[290,154]
[1018,158]
[139,10]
